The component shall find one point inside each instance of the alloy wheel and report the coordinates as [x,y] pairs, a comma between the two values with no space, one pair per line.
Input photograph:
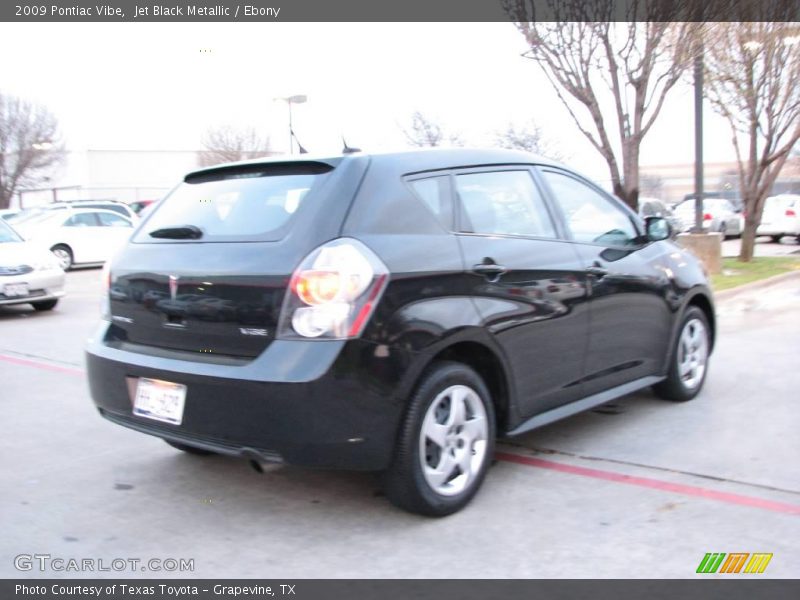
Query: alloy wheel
[453,440]
[693,353]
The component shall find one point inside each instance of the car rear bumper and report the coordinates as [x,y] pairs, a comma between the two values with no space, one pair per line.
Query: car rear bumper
[42,286]
[778,229]
[317,403]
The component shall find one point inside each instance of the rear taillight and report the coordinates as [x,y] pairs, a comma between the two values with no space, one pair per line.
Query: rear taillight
[707,217]
[790,212]
[333,293]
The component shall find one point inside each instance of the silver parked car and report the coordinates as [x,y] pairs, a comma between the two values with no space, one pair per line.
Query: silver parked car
[781,217]
[719,215]
[29,273]
[653,207]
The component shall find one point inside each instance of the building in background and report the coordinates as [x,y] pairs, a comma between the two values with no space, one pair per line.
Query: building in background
[125,175]
[672,182]
[134,175]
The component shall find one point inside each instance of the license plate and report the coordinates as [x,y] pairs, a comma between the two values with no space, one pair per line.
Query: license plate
[159,400]
[13,290]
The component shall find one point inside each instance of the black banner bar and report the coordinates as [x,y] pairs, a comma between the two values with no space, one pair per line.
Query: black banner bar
[396,10]
[733,588]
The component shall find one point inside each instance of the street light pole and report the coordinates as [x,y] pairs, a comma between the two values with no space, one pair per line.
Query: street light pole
[698,138]
[297,99]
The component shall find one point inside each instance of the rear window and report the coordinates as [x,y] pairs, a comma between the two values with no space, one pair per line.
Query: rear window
[236,206]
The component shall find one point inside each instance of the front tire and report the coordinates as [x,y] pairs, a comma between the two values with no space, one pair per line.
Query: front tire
[445,445]
[45,304]
[689,361]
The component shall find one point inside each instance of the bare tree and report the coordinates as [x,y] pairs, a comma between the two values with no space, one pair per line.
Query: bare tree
[752,74]
[228,144]
[528,137]
[424,132]
[611,76]
[29,146]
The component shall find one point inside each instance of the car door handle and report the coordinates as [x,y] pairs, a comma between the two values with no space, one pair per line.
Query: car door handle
[489,269]
[596,271]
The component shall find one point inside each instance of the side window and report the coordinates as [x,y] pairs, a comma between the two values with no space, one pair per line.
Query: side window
[82,220]
[591,217]
[435,194]
[503,202]
[112,220]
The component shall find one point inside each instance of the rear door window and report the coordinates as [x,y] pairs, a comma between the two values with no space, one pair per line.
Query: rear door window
[82,220]
[503,203]
[113,220]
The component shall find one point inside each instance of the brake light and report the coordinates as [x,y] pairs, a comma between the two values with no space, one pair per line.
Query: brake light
[790,212]
[333,293]
[707,217]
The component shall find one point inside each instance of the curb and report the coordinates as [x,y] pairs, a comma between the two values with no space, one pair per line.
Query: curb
[732,293]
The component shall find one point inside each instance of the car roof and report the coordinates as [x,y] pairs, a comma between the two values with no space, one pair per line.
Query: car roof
[407,161]
[78,211]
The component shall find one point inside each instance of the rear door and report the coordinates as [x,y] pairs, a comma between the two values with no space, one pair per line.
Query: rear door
[527,283]
[628,282]
[83,233]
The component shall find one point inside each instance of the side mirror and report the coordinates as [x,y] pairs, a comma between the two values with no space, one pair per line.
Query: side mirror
[658,228]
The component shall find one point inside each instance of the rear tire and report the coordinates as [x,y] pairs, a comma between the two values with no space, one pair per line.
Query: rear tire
[688,364]
[445,444]
[45,304]
[189,449]
[64,256]
[776,239]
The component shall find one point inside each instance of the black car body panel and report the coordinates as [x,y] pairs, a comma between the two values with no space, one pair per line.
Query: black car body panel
[547,322]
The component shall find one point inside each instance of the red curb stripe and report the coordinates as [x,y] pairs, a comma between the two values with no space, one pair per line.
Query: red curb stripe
[646,482]
[656,484]
[40,365]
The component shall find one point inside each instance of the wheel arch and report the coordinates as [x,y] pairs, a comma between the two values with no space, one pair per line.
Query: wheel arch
[703,301]
[486,362]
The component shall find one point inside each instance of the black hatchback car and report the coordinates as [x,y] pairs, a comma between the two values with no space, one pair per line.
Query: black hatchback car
[392,312]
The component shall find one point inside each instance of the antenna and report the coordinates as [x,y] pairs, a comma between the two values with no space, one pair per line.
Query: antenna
[299,145]
[347,149]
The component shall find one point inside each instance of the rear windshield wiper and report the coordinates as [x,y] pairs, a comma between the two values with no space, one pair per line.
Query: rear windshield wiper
[184,232]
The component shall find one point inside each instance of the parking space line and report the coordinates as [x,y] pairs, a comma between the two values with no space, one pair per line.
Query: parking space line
[646,482]
[41,365]
[656,484]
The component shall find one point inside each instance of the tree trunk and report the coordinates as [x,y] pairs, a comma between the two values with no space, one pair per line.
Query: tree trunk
[747,249]
[631,198]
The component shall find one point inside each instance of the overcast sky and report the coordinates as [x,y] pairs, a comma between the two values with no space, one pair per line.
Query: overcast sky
[149,86]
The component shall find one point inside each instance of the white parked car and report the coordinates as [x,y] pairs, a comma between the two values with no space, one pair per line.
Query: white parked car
[781,217]
[718,215]
[78,236]
[29,274]
[9,213]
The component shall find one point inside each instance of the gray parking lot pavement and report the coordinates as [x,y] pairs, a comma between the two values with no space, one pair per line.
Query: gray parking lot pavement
[637,488]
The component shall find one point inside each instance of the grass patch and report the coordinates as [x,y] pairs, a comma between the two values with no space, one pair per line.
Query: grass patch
[735,273]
